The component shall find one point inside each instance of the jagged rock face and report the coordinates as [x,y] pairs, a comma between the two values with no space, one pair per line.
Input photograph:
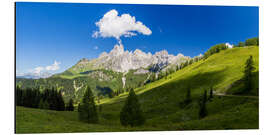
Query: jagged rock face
[100,75]
[122,61]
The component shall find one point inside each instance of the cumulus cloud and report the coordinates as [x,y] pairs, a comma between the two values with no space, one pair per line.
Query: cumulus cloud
[229,45]
[54,66]
[112,25]
[40,69]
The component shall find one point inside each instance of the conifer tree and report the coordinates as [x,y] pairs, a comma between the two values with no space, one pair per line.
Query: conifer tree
[43,104]
[88,112]
[46,105]
[60,101]
[211,93]
[79,107]
[40,105]
[18,96]
[202,105]
[36,98]
[70,106]
[249,68]
[131,114]
[188,96]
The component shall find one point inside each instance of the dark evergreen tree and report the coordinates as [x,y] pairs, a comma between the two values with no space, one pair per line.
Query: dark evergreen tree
[241,44]
[60,102]
[211,93]
[252,42]
[36,98]
[19,96]
[43,105]
[46,105]
[188,96]
[40,105]
[70,106]
[249,68]
[88,112]
[131,114]
[202,105]
[79,107]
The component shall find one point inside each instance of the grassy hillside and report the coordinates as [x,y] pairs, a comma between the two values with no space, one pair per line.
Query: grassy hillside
[160,101]
[67,82]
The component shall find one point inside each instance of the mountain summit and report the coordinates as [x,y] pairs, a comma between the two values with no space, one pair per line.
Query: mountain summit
[120,60]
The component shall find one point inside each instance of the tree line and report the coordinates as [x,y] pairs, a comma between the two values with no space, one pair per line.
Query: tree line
[47,99]
[217,48]
[249,42]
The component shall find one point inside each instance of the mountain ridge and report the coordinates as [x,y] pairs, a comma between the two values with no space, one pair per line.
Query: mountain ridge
[120,60]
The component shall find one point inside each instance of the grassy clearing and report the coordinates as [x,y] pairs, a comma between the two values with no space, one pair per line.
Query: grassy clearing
[160,101]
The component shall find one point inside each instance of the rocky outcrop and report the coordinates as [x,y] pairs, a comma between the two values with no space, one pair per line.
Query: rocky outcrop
[120,60]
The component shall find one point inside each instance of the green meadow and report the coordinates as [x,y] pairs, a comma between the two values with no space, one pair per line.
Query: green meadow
[160,101]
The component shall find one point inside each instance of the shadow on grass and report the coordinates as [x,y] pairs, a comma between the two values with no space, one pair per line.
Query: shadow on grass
[238,87]
[164,100]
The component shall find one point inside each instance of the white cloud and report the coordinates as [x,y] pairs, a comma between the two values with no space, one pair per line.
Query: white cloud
[95,47]
[38,70]
[112,25]
[229,45]
[54,66]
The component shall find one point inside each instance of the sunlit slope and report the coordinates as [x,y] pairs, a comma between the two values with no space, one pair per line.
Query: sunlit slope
[220,70]
[160,100]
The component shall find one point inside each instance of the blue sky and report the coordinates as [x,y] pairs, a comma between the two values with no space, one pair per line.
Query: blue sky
[55,36]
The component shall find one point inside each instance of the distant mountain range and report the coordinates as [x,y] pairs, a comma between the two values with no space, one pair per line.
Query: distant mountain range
[119,60]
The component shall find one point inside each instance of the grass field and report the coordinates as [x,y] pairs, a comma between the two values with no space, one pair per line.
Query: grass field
[160,101]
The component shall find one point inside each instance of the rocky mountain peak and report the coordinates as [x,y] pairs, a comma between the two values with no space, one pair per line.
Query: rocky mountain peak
[120,60]
[83,61]
[117,50]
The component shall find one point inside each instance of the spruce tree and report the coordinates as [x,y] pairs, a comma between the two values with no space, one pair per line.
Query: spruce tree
[131,114]
[188,97]
[70,106]
[249,68]
[211,93]
[46,105]
[79,107]
[18,96]
[88,112]
[202,105]
[37,98]
[43,105]
[40,105]
[60,101]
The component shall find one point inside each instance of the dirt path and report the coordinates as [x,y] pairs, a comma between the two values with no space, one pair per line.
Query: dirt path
[229,95]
